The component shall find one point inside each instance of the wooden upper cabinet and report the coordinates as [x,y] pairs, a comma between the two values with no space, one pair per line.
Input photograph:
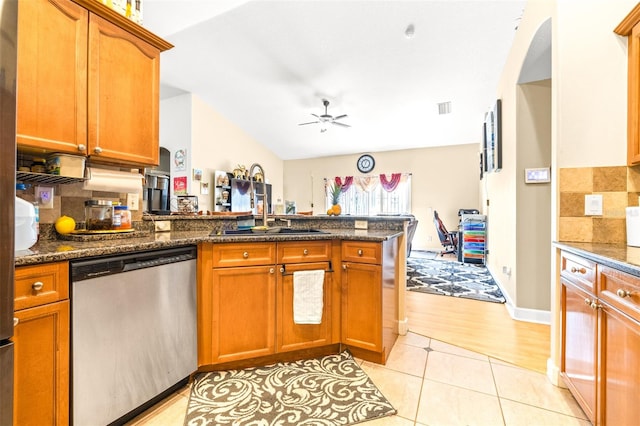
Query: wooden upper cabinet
[630,27]
[88,82]
[52,76]
[124,90]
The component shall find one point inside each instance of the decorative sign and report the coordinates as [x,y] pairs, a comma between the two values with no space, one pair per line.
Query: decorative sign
[539,175]
[180,185]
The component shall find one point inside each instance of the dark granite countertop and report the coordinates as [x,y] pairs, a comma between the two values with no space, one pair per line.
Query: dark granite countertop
[619,256]
[58,250]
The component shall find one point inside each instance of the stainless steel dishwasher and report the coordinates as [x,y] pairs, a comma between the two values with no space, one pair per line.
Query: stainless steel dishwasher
[133,330]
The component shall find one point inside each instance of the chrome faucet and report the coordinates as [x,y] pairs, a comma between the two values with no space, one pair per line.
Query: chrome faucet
[255,194]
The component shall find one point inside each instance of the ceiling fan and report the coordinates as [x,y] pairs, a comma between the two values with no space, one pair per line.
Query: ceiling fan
[326,118]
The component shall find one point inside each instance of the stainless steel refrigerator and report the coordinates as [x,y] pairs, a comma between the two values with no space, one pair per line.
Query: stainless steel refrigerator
[8,68]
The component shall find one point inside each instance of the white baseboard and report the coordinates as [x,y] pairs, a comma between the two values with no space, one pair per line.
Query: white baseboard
[403,327]
[553,374]
[529,315]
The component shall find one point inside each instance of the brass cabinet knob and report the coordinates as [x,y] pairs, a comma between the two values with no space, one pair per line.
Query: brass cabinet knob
[82,147]
[305,252]
[595,305]
[578,270]
[15,321]
[271,270]
[97,150]
[344,266]
[587,301]
[245,254]
[623,293]
[359,252]
[37,286]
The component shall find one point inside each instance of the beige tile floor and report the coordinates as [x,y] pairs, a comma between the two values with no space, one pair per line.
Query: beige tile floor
[434,383]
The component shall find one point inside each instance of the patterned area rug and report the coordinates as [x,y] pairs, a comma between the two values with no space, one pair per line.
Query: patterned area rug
[332,390]
[452,279]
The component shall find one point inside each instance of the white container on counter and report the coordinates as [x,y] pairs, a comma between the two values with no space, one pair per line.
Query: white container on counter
[633,226]
[26,225]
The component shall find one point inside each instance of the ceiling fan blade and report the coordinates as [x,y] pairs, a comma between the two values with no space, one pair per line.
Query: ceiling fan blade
[340,124]
[311,122]
[315,115]
[340,117]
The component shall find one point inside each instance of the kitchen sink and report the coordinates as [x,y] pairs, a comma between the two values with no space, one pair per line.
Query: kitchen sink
[274,230]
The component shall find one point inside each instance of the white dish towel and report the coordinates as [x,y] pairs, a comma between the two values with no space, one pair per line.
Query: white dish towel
[308,289]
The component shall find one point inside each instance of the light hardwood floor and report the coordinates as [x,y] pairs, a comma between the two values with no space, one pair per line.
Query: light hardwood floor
[482,327]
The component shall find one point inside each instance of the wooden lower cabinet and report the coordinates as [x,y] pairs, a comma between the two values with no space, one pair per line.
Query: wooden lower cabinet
[289,335]
[580,342]
[601,340]
[244,312]
[41,341]
[369,298]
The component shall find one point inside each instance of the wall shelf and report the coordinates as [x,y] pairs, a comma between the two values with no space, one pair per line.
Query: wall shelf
[45,178]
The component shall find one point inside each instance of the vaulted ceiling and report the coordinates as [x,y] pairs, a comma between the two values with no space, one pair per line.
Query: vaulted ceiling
[267,66]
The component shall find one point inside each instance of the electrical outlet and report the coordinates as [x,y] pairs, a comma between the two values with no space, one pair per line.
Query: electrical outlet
[44,196]
[361,224]
[133,200]
[162,225]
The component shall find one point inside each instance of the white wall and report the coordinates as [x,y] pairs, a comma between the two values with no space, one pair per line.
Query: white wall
[444,178]
[212,143]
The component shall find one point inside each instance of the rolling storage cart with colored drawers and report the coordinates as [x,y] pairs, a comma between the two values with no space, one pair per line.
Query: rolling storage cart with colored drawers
[473,233]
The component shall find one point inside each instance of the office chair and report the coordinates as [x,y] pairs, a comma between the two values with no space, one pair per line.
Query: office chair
[449,240]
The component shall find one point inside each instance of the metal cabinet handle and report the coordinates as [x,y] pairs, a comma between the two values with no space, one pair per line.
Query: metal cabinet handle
[344,267]
[595,305]
[245,254]
[578,270]
[305,252]
[271,270]
[15,321]
[587,301]
[97,150]
[623,293]
[282,270]
[359,252]
[37,286]
[82,147]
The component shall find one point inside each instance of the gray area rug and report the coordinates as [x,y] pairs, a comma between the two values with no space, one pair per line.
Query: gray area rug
[331,390]
[450,278]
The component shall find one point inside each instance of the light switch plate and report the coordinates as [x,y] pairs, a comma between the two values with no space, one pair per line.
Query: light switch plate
[44,195]
[593,205]
[361,224]
[132,201]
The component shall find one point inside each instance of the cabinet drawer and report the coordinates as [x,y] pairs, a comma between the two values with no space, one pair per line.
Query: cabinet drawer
[362,252]
[304,251]
[41,284]
[578,271]
[620,290]
[243,254]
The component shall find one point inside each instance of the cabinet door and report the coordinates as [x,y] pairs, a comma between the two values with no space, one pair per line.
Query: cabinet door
[620,365]
[123,96]
[362,306]
[291,336]
[579,346]
[52,76]
[41,367]
[243,312]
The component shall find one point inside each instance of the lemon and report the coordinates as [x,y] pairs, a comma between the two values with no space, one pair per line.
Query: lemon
[65,224]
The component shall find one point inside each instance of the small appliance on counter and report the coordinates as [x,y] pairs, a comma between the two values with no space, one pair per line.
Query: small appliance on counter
[156,193]
[633,226]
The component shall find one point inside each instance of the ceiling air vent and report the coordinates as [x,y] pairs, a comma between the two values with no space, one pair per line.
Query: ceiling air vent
[444,108]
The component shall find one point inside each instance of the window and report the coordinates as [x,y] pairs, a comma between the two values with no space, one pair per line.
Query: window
[373,195]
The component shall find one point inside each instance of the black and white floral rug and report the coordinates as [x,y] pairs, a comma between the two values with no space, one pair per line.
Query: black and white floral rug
[450,278]
[331,390]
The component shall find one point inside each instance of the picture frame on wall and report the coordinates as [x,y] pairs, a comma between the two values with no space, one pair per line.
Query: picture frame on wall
[493,138]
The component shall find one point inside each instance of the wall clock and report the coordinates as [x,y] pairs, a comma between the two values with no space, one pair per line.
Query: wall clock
[366,163]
